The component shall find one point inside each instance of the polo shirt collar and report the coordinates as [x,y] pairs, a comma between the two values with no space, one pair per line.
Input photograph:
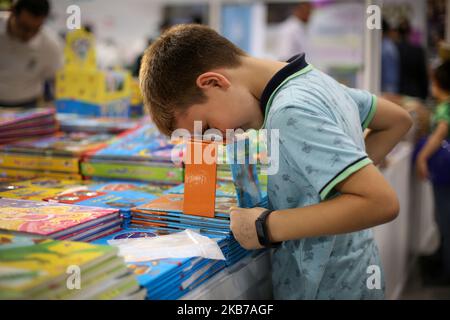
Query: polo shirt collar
[296,63]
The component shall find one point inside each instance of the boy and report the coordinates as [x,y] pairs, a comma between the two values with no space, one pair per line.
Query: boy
[440,88]
[326,190]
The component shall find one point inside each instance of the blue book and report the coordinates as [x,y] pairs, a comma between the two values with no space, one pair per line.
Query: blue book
[160,277]
[140,143]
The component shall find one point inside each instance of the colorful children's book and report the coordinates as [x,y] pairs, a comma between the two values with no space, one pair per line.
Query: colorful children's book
[38,189]
[24,174]
[200,178]
[39,163]
[174,203]
[12,117]
[244,172]
[150,188]
[223,189]
[140,144]
[161,277]
[33,267]
[75,143]
[52,220]
[154,172]
[123,201]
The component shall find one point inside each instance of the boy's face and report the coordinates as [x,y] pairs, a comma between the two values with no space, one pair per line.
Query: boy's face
[228,106]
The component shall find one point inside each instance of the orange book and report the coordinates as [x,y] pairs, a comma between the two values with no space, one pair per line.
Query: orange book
[200,178]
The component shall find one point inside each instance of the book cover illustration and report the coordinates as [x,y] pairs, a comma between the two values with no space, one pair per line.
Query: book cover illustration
[37,189]
[14,191]
[174,203]
[27,263]
[44,218]
[152,172]
[38,162]
[244,172]
[153,189]
[75,197]
[139,143]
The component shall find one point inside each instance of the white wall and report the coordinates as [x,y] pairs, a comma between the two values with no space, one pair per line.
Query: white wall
[129,23]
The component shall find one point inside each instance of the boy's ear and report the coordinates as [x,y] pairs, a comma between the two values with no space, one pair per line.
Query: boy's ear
[210,80]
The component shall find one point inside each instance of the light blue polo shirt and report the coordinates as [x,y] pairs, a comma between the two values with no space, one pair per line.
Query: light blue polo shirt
[320,125]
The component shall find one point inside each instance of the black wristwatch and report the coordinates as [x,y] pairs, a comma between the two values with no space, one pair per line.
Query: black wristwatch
[261,230]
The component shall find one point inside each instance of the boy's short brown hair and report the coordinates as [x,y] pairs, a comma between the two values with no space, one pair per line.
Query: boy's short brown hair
[171,65]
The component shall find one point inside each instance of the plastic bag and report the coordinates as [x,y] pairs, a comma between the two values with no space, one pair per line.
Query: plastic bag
[183,244]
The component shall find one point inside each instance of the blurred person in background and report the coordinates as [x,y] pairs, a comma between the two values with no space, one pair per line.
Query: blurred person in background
[29,54]
[437,266]
[293,32]
[165,24]
[390,65]
[413,80]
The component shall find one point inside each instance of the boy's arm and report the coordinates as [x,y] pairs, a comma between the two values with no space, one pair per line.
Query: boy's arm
[367,200]
[389,124]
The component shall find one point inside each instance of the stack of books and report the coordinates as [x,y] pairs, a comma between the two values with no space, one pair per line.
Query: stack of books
[165,214]
[140,154]
[168,279]
[76,123]
[20,123]
[33,268]
[39,188]
[57,221]
[59,155]
[122,196]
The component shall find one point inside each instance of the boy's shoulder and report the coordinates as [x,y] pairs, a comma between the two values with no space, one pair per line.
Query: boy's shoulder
[307,93]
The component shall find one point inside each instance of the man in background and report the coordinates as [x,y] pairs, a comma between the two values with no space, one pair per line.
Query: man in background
[390,64]
[293,32]
[414,76]
[29,55]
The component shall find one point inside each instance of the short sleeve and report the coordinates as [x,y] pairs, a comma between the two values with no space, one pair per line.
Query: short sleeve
[366,103]
[315,146]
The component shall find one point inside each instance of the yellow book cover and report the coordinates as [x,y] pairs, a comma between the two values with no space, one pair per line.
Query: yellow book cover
[35,162]
[27,264]
[17,174]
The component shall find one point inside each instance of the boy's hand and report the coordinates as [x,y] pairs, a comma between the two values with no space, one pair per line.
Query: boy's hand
[422,168]
[242,224]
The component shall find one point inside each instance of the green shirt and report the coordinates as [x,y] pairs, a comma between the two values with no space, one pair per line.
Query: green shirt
[442,113]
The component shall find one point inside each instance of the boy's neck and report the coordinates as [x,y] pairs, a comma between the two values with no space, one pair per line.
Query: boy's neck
[256,73]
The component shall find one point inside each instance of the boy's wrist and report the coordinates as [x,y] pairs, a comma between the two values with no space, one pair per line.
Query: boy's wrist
[272,225]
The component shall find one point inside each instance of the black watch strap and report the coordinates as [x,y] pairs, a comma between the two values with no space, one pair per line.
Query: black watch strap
[262,232]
